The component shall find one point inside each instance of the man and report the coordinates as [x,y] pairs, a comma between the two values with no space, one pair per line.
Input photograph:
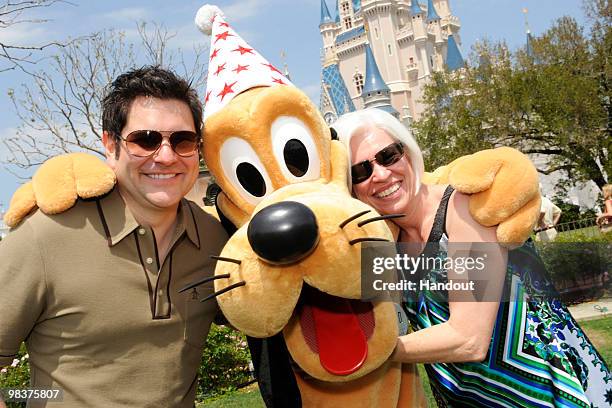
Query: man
[549,217]
[94,291]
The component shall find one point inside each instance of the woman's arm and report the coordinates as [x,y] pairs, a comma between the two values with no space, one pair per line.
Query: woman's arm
[466,335]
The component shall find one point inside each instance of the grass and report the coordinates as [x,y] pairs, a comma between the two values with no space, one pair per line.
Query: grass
[246,398]
[599,332]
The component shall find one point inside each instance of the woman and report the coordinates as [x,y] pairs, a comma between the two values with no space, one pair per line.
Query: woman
[604,221]
[525,352]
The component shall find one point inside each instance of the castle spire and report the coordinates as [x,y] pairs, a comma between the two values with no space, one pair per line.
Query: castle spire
[325,16]
[376,93]
[373,80]
[337,19]
[528,47]
[432,15]
[415,8]
[454,60]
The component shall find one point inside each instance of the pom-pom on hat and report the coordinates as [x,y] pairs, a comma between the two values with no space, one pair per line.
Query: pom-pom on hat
[233,65]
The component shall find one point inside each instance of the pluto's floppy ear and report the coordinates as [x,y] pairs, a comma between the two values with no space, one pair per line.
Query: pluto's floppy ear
[334,134]
[212,193]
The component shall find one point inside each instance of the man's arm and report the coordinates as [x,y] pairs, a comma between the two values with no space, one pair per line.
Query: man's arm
[556,215]
[23,289]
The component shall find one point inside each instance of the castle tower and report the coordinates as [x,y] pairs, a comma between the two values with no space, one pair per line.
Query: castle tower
[454,60]
[434,24]
[407,42]
[376,93]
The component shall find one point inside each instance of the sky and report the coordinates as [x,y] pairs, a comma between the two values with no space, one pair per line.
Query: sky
[271,26]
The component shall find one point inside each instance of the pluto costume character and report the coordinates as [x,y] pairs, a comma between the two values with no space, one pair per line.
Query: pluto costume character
[293,265]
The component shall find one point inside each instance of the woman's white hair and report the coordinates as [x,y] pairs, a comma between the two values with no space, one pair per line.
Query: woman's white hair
[358,122]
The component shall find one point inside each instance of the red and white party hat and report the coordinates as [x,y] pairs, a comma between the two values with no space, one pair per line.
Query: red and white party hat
[233,65]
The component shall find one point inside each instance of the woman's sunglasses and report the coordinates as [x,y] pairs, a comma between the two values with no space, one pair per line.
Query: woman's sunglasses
[391,154]
[145,143]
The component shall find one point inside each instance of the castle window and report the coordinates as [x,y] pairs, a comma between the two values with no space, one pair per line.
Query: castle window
[376,32]
[431,61]
[358,80]
[348,22]
[389,49]
[345,7]
[411,60]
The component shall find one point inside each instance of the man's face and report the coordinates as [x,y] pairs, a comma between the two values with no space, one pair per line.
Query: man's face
[158,182]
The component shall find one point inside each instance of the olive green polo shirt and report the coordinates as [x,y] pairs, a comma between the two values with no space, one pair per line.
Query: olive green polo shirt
[100,312]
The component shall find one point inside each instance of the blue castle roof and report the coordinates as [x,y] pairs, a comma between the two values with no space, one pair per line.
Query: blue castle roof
[349,35]
[528,47]
[338,92]
[325,16]
[432,15]
[373,80]
[454,60]
[415,8]
[356,5]
[337,19]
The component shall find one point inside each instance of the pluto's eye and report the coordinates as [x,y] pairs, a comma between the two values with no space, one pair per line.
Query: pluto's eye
[251,179]
[296,157]
[295,149]
[243,168]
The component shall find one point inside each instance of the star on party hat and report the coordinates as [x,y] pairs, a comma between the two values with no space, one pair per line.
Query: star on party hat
[233,66]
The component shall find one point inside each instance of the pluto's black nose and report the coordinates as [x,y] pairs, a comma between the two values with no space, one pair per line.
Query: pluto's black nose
[283,233]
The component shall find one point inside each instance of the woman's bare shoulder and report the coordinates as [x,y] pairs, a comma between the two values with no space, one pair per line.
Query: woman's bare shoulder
[460,224]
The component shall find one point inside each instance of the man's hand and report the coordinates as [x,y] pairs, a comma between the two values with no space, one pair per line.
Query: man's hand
[58,183]
[503,184]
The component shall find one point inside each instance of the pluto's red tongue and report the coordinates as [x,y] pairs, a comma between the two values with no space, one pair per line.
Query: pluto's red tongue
[341,342]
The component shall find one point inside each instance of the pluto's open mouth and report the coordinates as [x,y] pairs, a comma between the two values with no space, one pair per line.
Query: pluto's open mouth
[335,328]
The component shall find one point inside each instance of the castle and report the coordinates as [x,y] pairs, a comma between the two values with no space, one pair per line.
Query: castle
[380,53]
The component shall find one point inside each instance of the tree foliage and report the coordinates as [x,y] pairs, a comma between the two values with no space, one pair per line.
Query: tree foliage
[554,101]
[60,107]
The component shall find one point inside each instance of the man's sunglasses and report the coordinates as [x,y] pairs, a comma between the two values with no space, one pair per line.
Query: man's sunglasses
[145,143]
[391,154]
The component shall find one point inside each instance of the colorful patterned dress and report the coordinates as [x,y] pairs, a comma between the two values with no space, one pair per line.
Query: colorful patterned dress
[538,357]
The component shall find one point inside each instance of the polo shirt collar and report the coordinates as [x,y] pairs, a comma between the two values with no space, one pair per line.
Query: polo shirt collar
[116,218]
[119,222]
[186,220]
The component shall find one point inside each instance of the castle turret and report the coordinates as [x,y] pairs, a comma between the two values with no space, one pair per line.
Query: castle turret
[454,60]
[325,16]
[415,8]
[432,15]
[376,93]
[443,8]
[434,24]
[528,47]
[328,29]
[419,28]
[407,39]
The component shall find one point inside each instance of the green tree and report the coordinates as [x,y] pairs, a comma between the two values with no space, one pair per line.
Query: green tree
[554,101]
[59,107]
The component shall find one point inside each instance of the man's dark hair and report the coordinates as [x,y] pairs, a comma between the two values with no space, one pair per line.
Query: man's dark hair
[146,81]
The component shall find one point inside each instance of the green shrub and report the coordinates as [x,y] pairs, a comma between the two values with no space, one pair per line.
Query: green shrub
[572,212]
[225,363]
[577,261]
[17,375]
